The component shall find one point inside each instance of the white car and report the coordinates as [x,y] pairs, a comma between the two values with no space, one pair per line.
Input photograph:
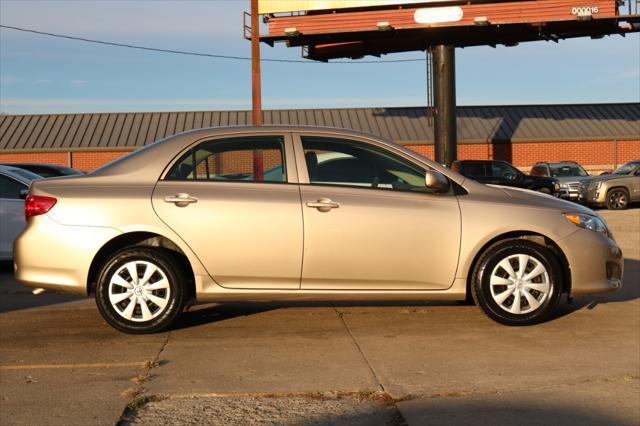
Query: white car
[14,185]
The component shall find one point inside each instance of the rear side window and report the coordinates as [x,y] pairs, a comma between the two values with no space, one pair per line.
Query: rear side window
[252,159]
[10,189]
[474,170]
[539,171]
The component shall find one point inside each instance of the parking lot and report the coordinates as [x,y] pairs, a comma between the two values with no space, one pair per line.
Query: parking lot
[319,363]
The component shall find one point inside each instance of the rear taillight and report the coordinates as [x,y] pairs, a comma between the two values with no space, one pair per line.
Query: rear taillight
[35,205]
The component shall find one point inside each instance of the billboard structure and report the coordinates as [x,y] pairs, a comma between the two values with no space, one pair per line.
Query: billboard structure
[329,29]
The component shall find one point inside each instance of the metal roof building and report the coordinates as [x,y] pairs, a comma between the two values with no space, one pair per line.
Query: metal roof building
[408,126]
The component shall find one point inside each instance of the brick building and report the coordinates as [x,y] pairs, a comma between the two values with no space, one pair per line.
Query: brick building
[598,136]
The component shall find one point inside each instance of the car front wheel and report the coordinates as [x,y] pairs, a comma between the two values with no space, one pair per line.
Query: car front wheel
[141,290]
[517,282]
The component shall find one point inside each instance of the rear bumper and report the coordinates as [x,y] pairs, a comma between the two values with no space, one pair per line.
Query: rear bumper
[595,261]
[57,257]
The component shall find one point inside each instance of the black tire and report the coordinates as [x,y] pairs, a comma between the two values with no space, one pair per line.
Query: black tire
[488,263]
[175,293]
[617,199]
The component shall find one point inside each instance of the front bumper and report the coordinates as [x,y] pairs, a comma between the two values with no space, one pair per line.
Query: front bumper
[591,195]
[570,195]
[57,257]
[595,261]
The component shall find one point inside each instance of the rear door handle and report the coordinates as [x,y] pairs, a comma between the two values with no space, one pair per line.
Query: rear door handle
[323,205]
[181,199]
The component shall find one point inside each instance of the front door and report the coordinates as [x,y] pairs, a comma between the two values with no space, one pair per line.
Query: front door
[230,201]
[370,223]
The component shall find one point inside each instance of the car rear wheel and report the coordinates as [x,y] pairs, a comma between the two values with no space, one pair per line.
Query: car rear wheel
[517,282]
[617,199]
[141,290]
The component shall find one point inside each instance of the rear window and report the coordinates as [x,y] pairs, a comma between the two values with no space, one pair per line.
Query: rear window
[567,170]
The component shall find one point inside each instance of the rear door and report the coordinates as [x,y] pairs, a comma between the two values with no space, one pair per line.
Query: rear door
[236,203]
[634,187]
[11,214]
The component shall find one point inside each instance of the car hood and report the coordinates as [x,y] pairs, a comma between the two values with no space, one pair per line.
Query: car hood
[573,178]
[606,177]
[535,199]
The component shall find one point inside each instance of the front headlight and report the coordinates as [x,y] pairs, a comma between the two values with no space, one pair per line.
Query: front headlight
[598,184]
[564,186]
[586,221]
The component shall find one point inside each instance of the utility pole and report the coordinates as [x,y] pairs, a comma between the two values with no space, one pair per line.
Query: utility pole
[445,130]
[256,95]
[255,64]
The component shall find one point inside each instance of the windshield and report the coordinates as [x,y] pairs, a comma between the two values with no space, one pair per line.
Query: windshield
[562,170]
[626,169]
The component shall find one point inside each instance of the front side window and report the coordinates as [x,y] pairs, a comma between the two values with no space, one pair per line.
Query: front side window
[627,169]
[348,163]
[248,159]
[10,188]
[504,171]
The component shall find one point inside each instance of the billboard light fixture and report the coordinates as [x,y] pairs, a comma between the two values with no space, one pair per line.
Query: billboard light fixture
[481,21]
[384,26]
[291,32]
[584,15]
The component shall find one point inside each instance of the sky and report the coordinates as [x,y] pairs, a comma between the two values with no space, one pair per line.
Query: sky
[40,74]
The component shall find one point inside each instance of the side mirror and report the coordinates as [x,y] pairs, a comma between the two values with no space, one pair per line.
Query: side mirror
[436,181]
[23,193]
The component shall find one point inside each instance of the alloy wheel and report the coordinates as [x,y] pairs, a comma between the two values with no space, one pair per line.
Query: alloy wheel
[520,284]
[618,200]
[139,291]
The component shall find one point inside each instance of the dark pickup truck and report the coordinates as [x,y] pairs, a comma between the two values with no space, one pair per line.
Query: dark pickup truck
[502,173]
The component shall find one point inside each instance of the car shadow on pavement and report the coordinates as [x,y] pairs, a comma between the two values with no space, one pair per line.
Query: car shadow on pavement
[210,313]
[509,410]
[201,314]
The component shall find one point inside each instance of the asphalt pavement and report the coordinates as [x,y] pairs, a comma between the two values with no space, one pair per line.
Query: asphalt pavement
[323,363]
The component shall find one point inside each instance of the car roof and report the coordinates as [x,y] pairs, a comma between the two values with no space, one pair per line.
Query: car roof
[557,163]
[19,174]
[52,166]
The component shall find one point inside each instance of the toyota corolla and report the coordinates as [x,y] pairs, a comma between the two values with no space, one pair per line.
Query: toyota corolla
[281,213]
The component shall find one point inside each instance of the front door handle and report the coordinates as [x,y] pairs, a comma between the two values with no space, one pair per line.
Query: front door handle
[323,205]
[181,199]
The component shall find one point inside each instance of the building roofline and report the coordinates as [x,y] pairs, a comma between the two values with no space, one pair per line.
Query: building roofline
[245,110]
